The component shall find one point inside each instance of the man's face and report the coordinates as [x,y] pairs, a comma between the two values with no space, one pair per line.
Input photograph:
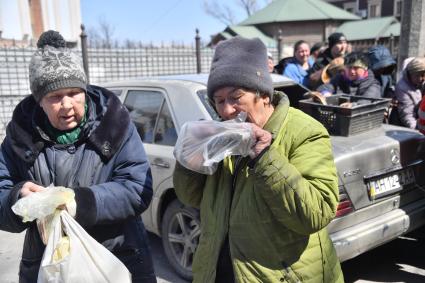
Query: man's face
[230,101]
[417,79]
[64,107]
[339,49]
[355,73]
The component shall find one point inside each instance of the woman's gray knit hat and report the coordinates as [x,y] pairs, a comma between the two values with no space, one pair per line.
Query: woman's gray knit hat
[240,62]
[53,66]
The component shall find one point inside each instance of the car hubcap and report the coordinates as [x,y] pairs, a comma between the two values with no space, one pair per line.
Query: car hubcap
[183,235]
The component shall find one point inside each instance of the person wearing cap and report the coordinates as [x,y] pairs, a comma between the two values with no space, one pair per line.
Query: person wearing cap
[297,68]
[71,134]
[316,50]
[408,92]
[383,66]
[356,79]
[264,216]
[337,47]
[270,62]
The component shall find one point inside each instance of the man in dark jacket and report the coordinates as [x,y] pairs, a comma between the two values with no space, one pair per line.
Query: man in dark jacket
[356,79]
[71,134]
[337,47]
[383,66]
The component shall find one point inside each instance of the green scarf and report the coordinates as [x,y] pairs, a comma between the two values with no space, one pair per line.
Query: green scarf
[66,137]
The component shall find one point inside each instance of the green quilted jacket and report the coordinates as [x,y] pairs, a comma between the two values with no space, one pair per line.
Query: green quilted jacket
[276,220]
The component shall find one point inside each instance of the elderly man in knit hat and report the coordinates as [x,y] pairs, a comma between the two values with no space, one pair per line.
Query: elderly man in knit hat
[71,134]
[408,92]
[263,217]
[337,47]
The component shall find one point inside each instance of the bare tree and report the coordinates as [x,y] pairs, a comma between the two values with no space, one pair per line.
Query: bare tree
[224,12]
[93,37]
[250,6]
[106,31]
[102,36]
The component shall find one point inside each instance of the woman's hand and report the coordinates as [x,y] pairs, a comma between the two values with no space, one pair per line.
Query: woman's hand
[263,139]
[29,188]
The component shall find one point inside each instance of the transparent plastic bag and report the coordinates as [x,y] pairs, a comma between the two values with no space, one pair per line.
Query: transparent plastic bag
[201,145]
[41,204]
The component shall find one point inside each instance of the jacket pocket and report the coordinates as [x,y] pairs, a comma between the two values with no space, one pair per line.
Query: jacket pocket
[289,275]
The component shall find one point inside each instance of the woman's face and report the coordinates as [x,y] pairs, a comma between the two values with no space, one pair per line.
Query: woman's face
[355,73]
[417,79]
[230,101]
[302,53]
[64,107]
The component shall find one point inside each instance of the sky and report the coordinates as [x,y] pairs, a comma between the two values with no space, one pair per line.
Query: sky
[155,21]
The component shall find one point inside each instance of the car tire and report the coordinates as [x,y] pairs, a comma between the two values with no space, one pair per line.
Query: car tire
[180,237]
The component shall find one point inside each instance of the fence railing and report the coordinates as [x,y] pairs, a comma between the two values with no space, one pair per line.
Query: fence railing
[106,64]
[118,64]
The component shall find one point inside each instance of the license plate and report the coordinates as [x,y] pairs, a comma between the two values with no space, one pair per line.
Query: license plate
[390,183]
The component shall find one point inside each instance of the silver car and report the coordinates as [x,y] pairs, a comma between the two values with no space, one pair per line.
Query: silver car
[381,171]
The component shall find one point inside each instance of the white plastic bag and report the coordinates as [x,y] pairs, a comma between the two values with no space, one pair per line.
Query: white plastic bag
[72,255]
[201,145]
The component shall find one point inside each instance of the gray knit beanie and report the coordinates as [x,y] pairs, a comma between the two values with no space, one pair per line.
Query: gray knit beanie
[54,67]
[240,62]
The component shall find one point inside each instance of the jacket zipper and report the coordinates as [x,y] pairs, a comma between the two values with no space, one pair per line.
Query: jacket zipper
[238,160]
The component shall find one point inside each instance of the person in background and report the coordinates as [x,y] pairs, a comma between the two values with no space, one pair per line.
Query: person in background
[297,68]
[337,47]
[421,117]
[408,92]
[316,50]
[264,216]
[270,62]
[383,66]
[355,79]
[68,133]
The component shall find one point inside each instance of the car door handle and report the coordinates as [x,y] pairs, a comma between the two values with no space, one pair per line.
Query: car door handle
[160,163]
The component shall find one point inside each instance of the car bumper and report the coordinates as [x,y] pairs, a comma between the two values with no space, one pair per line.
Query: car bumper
[367,235]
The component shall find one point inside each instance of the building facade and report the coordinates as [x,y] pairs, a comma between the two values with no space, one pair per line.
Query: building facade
[371,8]
[23,21]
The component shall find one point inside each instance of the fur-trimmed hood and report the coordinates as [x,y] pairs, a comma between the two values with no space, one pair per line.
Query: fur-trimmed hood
[105,129]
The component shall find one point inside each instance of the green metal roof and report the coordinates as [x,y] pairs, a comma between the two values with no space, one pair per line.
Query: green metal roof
[226,35]
[298,10]
[368,29]
[394,29]
[251,32]
[244,31]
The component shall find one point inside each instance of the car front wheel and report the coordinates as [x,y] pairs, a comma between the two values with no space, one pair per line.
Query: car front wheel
[180,236]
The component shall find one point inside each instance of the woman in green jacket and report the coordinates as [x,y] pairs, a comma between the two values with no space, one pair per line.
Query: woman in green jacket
[264,217]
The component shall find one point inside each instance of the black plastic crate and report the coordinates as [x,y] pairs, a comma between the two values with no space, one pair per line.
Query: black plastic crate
[367,114]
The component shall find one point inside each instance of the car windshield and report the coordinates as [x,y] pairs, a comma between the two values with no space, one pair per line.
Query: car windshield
[203,95]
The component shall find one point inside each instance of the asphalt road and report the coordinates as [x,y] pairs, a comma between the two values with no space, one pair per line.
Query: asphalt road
[402,260]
